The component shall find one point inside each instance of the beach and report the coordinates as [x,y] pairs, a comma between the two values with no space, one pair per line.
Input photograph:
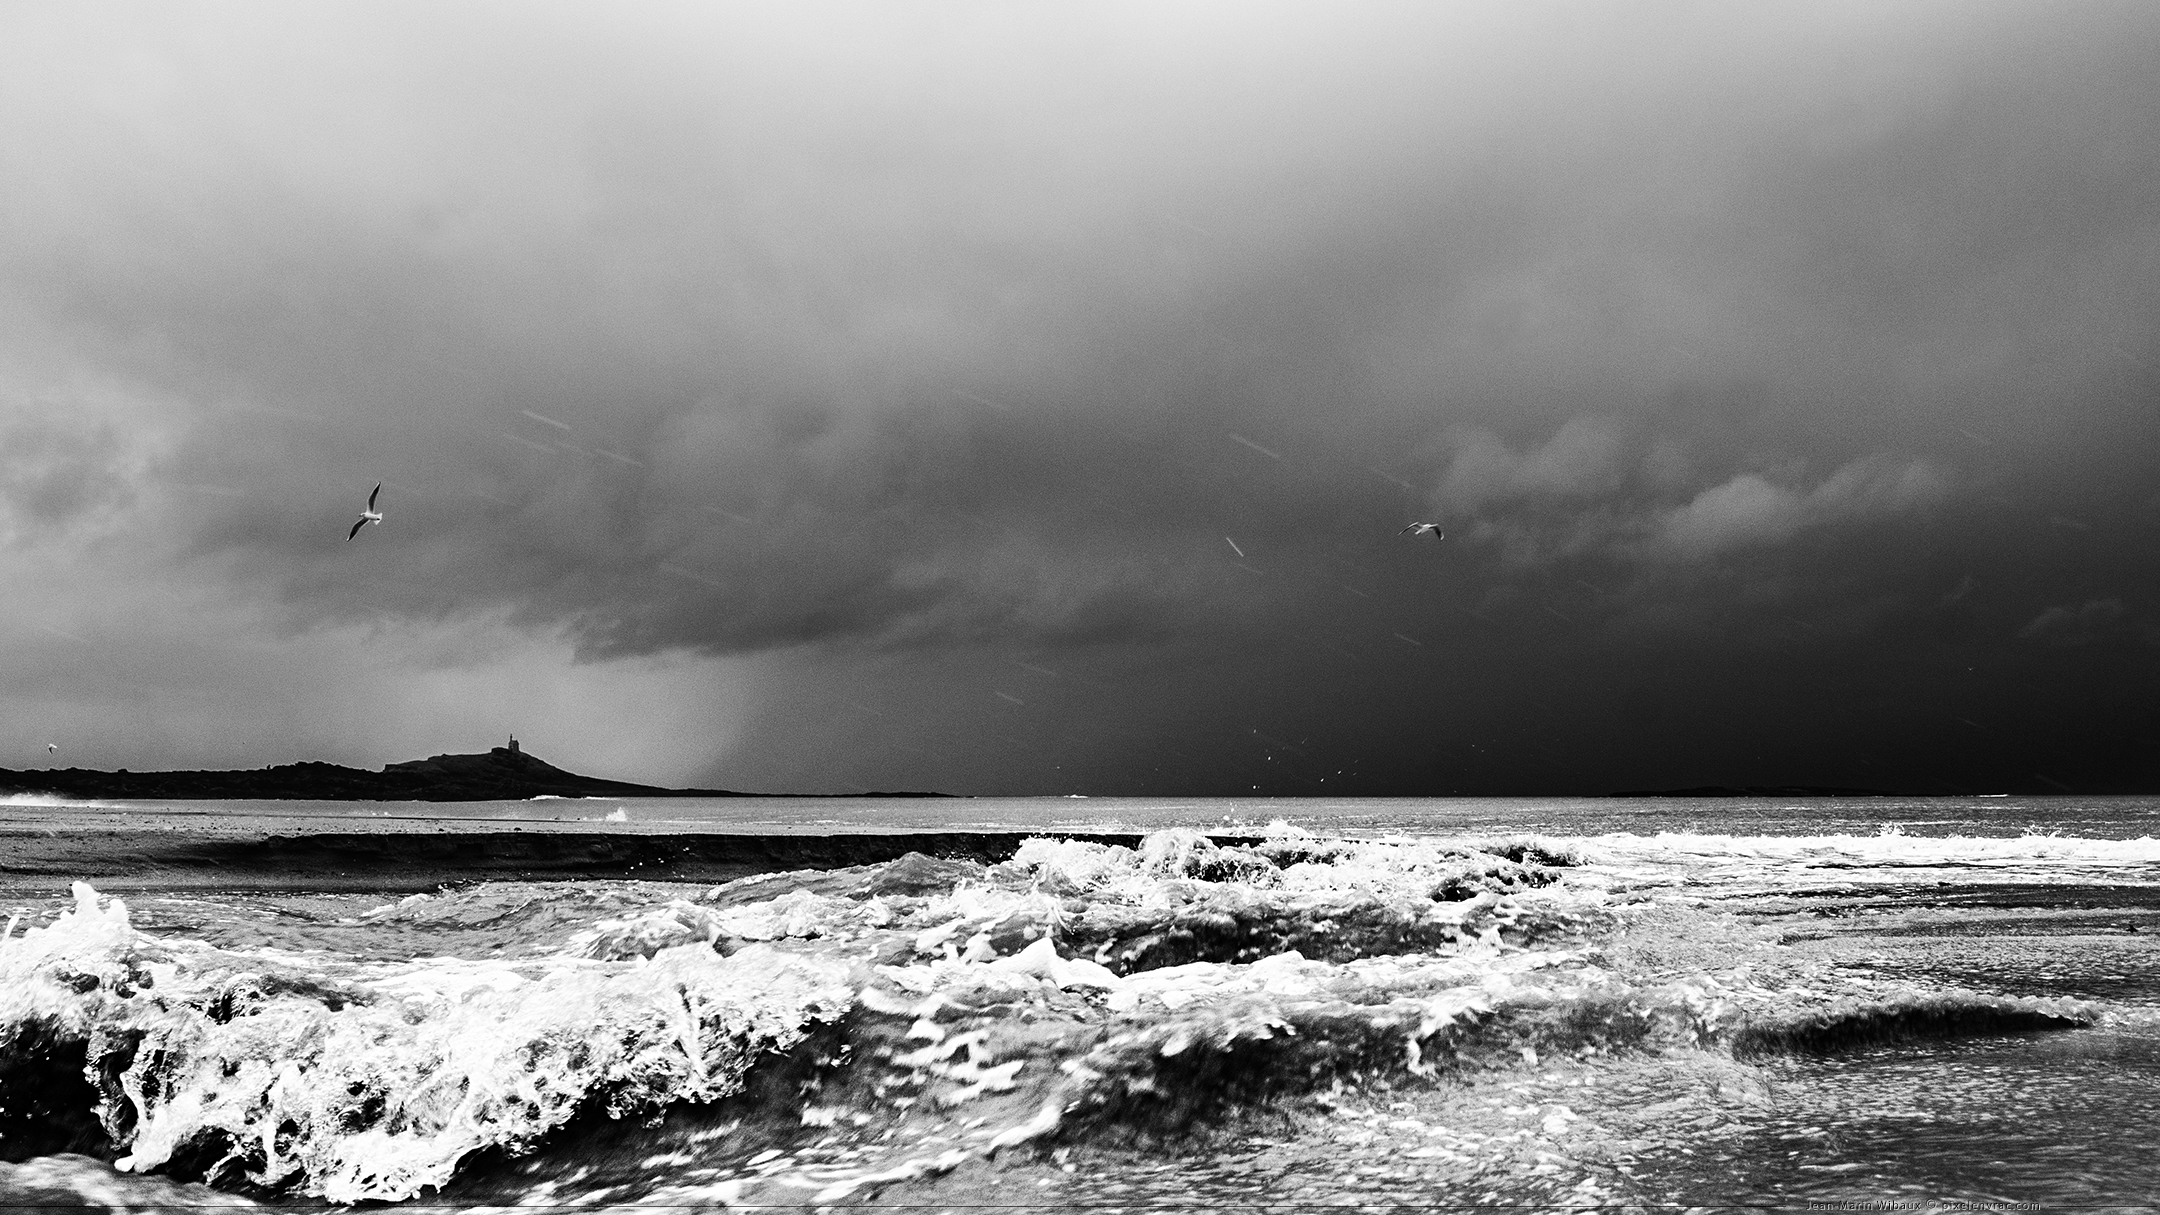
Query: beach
[580,1005]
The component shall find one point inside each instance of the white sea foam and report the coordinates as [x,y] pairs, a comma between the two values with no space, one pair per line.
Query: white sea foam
[373,1081]
[1746,864]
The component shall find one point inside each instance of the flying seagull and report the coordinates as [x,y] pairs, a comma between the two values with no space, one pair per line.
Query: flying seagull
[1423,528]
[51,747]
[370,515]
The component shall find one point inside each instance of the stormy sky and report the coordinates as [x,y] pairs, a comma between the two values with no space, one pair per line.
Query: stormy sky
[1005,398]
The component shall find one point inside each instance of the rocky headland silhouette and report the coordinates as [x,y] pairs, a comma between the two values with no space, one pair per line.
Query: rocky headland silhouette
[501,774]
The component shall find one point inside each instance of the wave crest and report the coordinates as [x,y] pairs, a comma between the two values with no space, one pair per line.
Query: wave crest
[374,1084]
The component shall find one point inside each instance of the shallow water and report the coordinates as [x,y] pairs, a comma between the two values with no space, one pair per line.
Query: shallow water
[1654,1019]
[2061,1119]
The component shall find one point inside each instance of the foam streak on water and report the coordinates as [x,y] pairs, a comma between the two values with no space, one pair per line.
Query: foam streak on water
[1666,1018]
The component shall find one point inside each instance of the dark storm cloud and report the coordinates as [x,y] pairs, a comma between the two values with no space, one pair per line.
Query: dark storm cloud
[958,334]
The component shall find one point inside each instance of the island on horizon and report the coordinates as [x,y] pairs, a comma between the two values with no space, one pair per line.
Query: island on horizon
[506,773]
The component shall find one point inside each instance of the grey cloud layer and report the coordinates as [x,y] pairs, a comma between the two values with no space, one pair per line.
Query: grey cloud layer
[958,327]
[1592,490]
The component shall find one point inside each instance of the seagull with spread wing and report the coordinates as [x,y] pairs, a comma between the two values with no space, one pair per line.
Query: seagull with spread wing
[370,515]
[1424,528]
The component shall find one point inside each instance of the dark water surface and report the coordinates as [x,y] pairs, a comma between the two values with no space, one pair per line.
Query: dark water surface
[2090,817]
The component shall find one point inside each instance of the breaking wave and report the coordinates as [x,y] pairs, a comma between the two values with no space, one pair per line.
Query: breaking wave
[47,799]
[913,1015]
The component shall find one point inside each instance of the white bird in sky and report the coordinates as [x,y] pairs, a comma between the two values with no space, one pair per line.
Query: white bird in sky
[51,747]
[370,515]
[1423,528]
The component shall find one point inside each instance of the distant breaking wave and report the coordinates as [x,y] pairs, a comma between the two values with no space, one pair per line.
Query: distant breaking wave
[47,799]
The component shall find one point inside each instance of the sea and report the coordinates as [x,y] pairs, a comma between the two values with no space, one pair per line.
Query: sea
[1087,1004]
